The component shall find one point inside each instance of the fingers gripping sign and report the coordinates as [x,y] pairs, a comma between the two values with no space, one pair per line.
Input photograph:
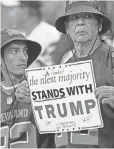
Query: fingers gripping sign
[23,92]
[106,95]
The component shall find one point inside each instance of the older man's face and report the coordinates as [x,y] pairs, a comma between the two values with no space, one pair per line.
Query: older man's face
[82,27]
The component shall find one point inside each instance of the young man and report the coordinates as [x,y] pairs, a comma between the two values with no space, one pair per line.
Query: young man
[18,128]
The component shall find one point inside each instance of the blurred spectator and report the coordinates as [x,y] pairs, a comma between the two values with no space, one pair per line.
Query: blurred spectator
[43,33]
[54,44]
[107,8]
[113,42]
[46,35]
[108,38]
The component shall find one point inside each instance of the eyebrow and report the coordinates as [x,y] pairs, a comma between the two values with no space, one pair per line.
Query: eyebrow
[15,47]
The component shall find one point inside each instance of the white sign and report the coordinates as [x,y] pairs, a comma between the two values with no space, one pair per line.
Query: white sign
[63,97]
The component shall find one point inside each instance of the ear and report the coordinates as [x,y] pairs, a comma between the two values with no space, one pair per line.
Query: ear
[100,25]
[66,27]
[67,31]
[2,62]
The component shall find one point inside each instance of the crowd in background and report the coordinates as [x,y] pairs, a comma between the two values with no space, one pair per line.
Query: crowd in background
[36,20]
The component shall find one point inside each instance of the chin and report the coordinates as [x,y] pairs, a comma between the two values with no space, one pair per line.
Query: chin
[20,72]
[82,38]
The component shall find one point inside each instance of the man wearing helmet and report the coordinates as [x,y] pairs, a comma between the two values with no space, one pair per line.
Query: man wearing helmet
[18,128]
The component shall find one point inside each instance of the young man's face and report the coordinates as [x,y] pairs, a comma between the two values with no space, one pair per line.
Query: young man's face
[82,27]
[15,56]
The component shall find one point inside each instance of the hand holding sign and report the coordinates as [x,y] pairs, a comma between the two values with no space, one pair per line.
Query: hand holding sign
[105,94]
[23,92]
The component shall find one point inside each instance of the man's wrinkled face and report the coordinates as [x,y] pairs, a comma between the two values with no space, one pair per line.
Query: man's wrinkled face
[16,57]
[82,27]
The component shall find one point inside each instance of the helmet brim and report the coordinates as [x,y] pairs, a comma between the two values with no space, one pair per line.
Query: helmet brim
[33,51]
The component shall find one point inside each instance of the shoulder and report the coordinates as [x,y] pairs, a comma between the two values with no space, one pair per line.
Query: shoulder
[105,46]
[112,51]
[68,55]
[106,49]
[3,95]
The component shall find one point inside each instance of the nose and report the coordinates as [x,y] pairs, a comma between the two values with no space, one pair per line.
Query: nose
[22,56]
[80,21]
